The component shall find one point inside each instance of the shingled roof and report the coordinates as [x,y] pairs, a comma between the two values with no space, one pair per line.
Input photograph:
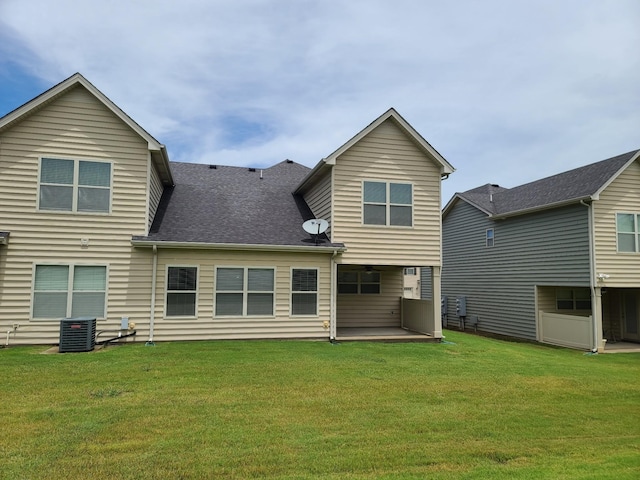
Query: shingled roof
[583,183]
[234,205]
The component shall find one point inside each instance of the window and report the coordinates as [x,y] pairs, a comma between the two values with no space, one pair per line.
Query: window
[182,283]
[64,291]
[359,282]
[242,291]
[410,271]
[74,185]
[628,231]
[490,237]
[304,291]
[573,299]
[387,204]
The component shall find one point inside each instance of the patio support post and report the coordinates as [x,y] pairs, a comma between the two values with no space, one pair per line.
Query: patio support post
[437,311]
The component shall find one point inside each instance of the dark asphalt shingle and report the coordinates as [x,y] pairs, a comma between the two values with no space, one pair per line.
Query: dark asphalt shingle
[233,205]
[573,185]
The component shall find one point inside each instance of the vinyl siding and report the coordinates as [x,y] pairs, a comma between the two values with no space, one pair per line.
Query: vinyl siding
[155,193]
[76,126]
[621,196]
[319,199]
[387,154]
[208,326]
[548,248]
[373,310]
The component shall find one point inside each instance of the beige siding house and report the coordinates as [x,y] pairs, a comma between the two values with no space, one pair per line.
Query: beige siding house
[95,221]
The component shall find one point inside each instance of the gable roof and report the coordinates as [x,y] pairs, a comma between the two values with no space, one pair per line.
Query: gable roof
[391,114]
[229,207]
[579,184]
[158,151]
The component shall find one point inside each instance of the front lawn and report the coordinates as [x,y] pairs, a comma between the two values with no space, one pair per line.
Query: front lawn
[471,407]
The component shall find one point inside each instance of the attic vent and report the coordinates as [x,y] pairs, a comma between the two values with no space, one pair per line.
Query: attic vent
[77,334]
[252,169]
[213,167]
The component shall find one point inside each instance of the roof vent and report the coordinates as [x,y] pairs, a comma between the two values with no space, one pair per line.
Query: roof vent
[252,169]
[213,167]
[289,161]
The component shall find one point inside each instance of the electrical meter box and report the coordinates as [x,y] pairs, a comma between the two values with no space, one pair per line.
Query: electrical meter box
[443,304]
[461,306]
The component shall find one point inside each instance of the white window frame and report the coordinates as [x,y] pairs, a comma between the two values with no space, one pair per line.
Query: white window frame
[635,233]
[189,292]
[387,204]
[245,291]
[70,290]
[75,186]
[305,292]
[410,271]
[490,237]
[361,276]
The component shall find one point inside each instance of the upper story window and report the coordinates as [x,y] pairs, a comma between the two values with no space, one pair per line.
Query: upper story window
[387,203]
[491,235]
[74,185]
[628,232]
[242,291]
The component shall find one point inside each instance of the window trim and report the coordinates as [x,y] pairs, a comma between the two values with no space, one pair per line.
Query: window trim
[636,233]
[387,203]
[316,292]
[167,291]
[245,290]
[75,185]
[360,275]
[490,237]
[70,291]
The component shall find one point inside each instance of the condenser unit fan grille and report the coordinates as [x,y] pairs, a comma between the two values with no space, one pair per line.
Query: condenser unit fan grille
[77,335]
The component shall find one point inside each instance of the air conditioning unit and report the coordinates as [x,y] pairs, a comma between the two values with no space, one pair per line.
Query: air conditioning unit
[77,334]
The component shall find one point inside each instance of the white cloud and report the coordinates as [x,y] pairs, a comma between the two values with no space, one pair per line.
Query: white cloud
[506,91]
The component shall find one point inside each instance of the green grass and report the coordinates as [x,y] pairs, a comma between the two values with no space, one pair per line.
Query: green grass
[469,408]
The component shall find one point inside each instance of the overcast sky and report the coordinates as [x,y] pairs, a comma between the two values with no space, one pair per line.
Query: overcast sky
[507,91]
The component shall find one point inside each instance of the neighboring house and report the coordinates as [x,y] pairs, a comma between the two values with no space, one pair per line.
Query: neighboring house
[556,260]
[412,283]
[96,221]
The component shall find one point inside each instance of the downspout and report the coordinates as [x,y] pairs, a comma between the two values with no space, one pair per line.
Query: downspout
[332,319]
[152,314]
[595,305]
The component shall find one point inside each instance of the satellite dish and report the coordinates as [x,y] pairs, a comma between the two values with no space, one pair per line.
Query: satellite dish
[315,226]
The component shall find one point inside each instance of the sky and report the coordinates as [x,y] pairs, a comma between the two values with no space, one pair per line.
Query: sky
[507,91]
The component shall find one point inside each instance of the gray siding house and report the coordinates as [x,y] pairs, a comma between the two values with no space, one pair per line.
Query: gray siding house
[556,260]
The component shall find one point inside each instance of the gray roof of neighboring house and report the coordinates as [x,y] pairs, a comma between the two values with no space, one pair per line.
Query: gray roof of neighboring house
[234,205]
[572,186]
